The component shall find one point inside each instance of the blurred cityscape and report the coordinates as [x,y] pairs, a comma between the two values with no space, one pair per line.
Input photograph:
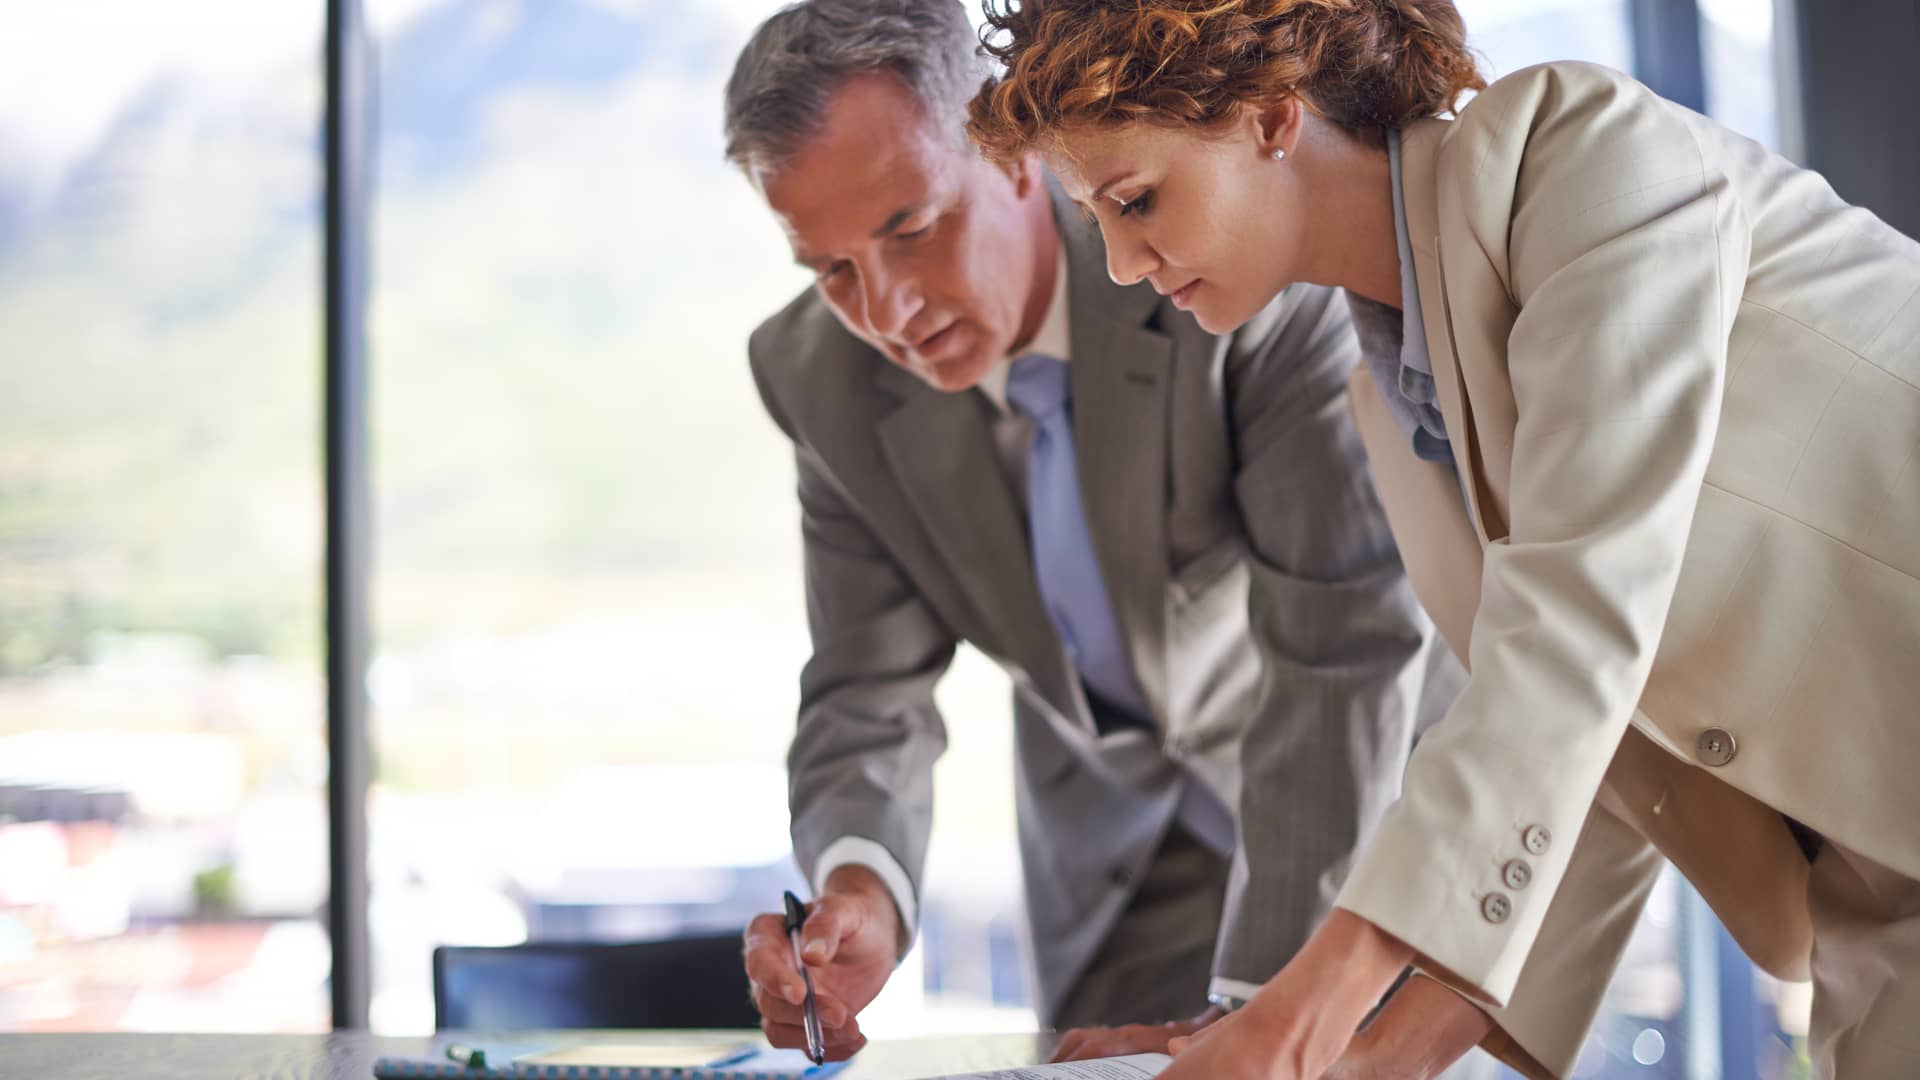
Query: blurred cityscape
[588,618]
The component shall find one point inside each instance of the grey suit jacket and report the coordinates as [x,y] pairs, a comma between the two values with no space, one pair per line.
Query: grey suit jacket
[1251,569]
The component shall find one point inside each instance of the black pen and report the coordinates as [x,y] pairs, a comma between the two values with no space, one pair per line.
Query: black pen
[810,1012]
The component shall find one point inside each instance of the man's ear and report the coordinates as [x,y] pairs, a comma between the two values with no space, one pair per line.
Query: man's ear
[1277,124]
[1025,171]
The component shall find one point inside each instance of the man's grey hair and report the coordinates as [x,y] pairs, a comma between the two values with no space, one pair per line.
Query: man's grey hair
[777,97]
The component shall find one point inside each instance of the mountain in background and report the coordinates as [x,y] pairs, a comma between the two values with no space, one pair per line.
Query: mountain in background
[564,275]
[440,76]
[439,79]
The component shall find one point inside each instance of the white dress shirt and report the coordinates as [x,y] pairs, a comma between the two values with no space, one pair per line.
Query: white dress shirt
[1201,812]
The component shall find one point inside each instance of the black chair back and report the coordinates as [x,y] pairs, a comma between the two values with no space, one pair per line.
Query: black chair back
[692,982]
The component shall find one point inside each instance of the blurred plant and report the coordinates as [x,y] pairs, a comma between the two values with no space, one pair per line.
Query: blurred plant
[213,891]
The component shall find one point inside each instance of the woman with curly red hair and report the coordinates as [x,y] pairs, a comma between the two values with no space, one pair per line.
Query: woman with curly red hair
[1643,402]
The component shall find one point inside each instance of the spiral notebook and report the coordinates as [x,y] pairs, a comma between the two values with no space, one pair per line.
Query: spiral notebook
[609,1060]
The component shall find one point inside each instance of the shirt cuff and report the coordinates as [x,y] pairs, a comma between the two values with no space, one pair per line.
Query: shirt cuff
[1241,992]
[860,851]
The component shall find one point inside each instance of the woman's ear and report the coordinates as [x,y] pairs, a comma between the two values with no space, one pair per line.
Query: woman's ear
[1277,125]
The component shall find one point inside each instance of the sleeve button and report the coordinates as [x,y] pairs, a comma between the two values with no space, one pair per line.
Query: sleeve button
[1517,874]
[1537,839]
[1496,907]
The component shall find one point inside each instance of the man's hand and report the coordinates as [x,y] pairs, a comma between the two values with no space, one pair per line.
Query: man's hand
[849,944]
[1081,1044]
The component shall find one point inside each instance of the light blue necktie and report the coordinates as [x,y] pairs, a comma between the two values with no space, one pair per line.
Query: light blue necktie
[1063,553]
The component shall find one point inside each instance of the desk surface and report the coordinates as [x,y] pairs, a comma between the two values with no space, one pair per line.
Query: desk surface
[349,1055]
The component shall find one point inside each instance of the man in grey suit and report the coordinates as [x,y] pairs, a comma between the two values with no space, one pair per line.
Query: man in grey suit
[1167,539]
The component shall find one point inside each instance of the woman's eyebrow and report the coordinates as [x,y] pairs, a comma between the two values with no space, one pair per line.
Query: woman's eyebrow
[1101,191]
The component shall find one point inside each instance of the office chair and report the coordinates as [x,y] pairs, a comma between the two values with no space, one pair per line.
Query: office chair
[692,982]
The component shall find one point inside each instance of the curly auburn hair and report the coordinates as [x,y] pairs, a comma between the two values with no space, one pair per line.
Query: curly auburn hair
[1364,64]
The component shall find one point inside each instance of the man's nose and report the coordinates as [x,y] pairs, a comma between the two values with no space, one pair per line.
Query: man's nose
[1129,260]
[893,299]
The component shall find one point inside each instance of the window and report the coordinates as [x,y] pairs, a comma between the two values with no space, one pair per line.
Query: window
[588,616]
[1513,34]
[589,623]
[162,816]
[1742,89]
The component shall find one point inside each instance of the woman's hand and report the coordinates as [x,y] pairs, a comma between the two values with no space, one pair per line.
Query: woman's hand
[1299,1024]
[1424,1028]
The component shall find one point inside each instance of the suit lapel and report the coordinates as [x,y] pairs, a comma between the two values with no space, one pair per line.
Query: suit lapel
[1419,157]
[940,448]
[1121,378]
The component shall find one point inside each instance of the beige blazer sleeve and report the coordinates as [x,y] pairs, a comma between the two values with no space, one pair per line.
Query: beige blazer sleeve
[1650,803]
[1613,868]
[1600,276]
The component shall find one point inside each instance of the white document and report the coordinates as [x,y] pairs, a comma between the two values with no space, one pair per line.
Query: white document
[1134,1067]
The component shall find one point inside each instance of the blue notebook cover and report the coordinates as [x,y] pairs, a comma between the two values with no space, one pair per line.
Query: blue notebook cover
[503,1064]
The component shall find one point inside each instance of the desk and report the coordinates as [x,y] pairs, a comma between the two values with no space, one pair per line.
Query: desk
[349,1055]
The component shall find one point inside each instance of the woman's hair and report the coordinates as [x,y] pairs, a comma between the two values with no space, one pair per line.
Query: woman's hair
[1364,64]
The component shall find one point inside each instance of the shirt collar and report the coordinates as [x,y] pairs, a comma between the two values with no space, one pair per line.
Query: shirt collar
[1413,343]
[1053,339]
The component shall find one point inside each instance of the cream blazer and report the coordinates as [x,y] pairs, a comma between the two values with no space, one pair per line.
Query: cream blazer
[1682,382]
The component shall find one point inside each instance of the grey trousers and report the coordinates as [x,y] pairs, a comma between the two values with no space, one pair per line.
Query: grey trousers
[1156,963]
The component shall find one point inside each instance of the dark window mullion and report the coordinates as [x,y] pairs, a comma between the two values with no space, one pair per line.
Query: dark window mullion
[1666,50]
[347,507]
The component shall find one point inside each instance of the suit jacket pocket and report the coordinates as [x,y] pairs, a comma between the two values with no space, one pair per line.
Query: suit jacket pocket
[1199,573]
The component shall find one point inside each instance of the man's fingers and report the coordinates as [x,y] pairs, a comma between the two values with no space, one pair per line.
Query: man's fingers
[1069,1046]
[830,920]
[775,1008]
[843,1051]
[784,1036]
[795,1034]
[1081,1044]
[833,1012]
[769,959]
[839,1043]
[1183,1043]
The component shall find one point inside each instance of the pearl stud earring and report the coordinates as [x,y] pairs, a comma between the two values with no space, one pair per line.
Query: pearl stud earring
[1279,155]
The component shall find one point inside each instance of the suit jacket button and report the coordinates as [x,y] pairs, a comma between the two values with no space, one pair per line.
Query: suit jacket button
[1537,839]
[1715,747]
[1496,907]
[1516,874]
[1120,876]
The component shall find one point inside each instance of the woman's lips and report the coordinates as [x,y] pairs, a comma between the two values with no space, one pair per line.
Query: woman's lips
[1183,296]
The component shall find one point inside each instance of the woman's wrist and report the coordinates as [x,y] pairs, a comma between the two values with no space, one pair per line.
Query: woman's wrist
[1365,958]
[1315,1004]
